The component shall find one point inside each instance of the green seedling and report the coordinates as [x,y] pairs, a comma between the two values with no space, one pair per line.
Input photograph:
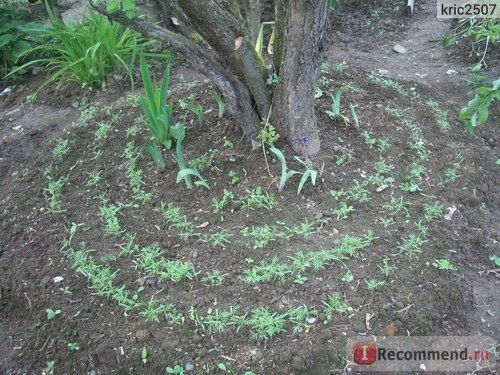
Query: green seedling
[443,264]
[234,177]
[258,199]
[73,346]
[286,173]
[411,245]
[177,369]
[214,278]
[108,212]
[387,222]
[334,304]
[94,178]
[272,80]
[495,259]
[396,205]
[196,110]
[218,320]
[440,116]
[343,211]
[103,128]
[309,173]
[383,145]
[144,355]
[266,271]
[51,314]
[204,161]
[372,284]
[432,211]
[348,277]
[354,114]
[334,112]
[61,149]
[386,268]
[450,176]
[220,238]
[386,83]
[369,140]
[264,324]
[220,102]
[53,194]
[262,235]
[299,317]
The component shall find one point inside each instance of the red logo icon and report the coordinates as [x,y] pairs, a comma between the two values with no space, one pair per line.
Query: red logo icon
[364,353]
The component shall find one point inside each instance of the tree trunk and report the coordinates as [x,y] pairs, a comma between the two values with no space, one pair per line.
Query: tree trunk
[302,33]
[214,37]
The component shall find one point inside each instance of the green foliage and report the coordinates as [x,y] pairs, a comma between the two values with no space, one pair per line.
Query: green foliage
[220,102]
[477,110]
[310,172]
[286,173]
[127,6]
[268,134]
[17,39]
[155,107]
[86,52]
[444,265]
[334,112]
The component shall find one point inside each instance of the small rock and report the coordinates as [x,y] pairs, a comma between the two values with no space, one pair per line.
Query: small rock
[91,372]
[311,320]
[58,279]
[197,339]
[141,335]
[449,215]
[189,367]
[398,48]
[451,72]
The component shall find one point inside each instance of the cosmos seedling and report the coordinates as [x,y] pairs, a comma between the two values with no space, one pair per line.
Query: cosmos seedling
[432,211]
[220,238]
[51,314]
[61,149]
[443,264]
[372,284]
[214,278]
[333,304]
[386,268]
[265,324]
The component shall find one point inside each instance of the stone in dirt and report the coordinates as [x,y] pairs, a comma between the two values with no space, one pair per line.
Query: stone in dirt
[398,48]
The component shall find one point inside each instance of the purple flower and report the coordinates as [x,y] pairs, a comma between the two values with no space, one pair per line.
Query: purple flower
[302,140]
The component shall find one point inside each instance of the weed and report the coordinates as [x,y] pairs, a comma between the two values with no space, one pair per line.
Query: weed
[450,175]
[219,320]
[177,369]
[394,112]
[383,145]
[53,193]
[381,168]
[258,199]
[177,220]
[476,112]
[443,264]
[396,205]
[272,80]
[495,259]
[234,177]
[299,317]
[96,155]
[144,355]
[262,235]
[153,310]
[358,193]
[219,205]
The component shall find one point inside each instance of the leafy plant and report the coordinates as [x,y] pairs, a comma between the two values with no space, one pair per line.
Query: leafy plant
[286,173]
[477,110]
[177,369]
[334,112]
[495,259]
[51,314]
[310,172]
[144,355]
[443,264]
[73,346]
[220,102]
[264,324]
[87,51]
[158,112]
[179,133]
[374,283]
[386,83]
[334,304]
[17,38]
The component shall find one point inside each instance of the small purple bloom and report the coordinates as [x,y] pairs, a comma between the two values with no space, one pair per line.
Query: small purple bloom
[302,140]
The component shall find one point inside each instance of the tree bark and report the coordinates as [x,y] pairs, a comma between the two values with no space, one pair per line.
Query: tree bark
[214,37]
[302,34]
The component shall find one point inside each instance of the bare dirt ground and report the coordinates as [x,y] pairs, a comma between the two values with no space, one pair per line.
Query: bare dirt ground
[209,328]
